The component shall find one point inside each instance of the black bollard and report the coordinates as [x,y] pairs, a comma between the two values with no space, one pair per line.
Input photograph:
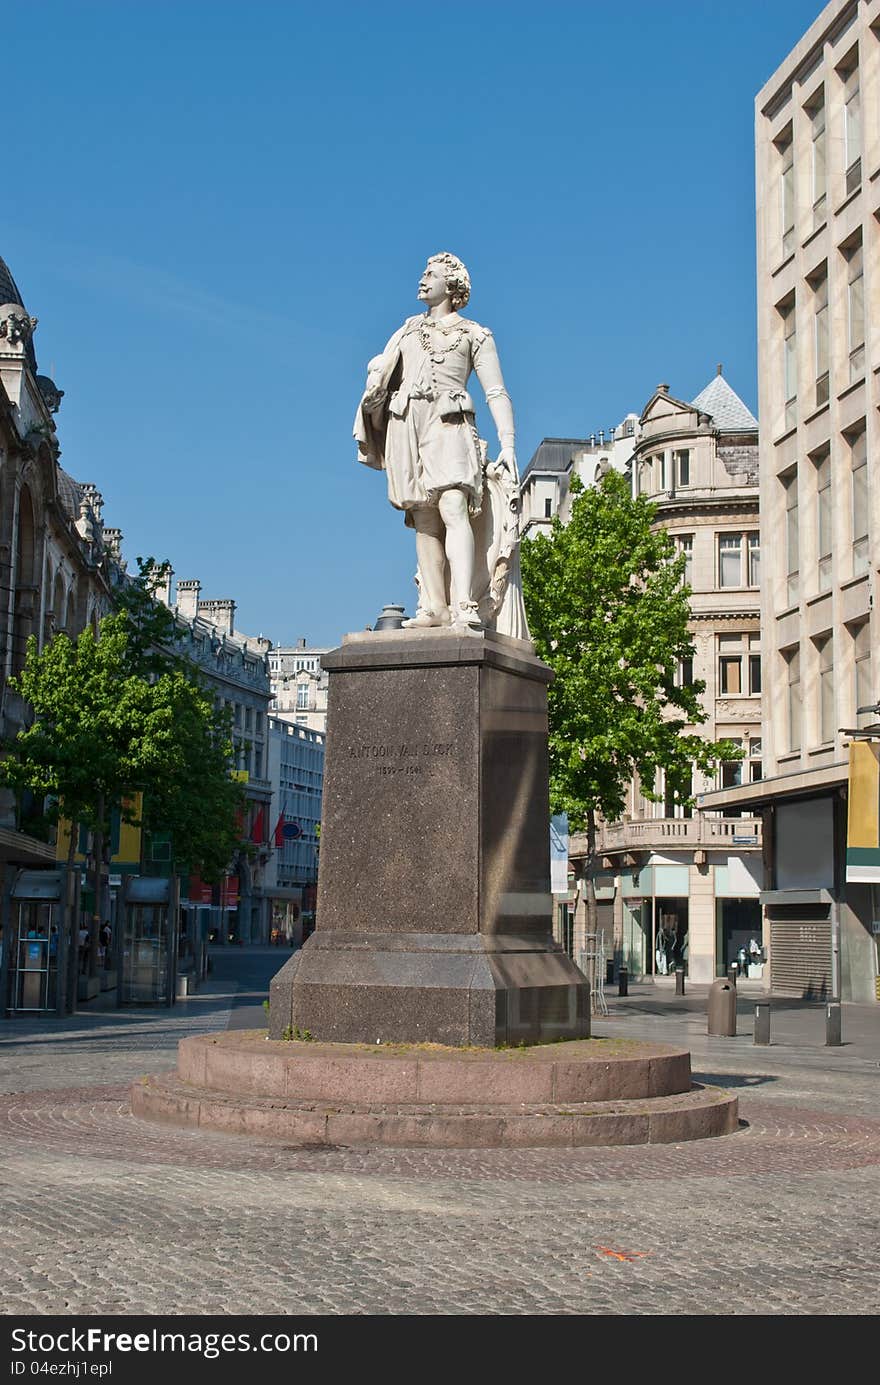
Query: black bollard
[762,1024]
[679,980]
[832,1025]
[623,981]
[732,971]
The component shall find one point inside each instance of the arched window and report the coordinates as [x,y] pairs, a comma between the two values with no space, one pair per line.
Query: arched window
[26,614]
[58,603]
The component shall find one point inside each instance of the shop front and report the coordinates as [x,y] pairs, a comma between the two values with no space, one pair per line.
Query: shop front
[656,911]
[739,924]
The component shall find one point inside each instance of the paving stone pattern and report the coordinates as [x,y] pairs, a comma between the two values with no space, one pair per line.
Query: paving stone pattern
[108,1214]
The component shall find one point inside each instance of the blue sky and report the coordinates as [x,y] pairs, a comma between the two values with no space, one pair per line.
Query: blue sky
[219,212]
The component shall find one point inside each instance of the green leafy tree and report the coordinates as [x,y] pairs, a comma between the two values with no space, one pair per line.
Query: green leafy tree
[609,613]
[115,713]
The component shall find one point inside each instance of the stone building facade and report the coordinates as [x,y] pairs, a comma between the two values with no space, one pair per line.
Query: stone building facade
[236,669]
[817,140]
[58,562]
[296,771]
[546,481]
[299,685]
[675,885]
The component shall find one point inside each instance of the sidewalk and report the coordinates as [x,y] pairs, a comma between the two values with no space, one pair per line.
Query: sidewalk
[104,1213]
[104,1045]
[797,1027]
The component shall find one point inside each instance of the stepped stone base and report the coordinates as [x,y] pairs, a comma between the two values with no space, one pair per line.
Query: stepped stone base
[592,1092]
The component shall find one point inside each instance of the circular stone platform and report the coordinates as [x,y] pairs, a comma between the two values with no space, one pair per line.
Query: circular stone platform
[585,1092]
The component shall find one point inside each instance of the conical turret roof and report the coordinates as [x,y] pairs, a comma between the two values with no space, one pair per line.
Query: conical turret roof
[725,407]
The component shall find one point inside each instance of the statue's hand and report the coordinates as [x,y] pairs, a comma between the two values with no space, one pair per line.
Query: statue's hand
[507,457]
[373,399]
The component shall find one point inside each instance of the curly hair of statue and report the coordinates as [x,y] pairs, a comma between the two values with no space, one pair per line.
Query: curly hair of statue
[458,281]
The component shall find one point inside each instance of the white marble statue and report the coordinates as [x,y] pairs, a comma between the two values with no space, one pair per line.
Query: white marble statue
[416,422]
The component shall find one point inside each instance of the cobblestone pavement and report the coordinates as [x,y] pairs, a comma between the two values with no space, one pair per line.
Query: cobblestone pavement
[104,1213]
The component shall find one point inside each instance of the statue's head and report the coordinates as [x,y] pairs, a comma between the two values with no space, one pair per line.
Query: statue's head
[458,281]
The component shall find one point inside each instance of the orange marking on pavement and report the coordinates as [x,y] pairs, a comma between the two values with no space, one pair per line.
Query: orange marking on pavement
[623,1254]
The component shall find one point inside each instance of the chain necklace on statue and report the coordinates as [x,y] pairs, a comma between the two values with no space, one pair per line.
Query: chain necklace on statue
[431,346]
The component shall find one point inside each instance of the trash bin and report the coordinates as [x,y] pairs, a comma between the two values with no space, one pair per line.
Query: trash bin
[182,987]
[722,1009]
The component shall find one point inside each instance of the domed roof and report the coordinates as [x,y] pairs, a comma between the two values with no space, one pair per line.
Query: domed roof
[9,293]
[69,493]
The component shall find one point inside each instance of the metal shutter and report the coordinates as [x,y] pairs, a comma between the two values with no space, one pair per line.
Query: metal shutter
[800,956]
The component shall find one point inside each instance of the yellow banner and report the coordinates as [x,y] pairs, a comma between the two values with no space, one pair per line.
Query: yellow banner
[863,815]
[129,852]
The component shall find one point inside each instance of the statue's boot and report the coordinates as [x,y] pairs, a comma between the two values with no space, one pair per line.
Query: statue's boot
[422,620]
[466,616]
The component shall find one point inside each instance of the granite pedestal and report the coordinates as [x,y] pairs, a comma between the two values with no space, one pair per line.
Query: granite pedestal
[434,910]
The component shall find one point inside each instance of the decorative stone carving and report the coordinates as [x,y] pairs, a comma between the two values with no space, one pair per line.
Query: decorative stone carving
[734,711]
[16,327]
[52,395]
[416,422]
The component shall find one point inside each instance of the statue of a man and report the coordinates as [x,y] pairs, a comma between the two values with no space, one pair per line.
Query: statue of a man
[416,421]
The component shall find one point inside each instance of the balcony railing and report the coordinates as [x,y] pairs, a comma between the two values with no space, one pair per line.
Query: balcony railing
[649,834]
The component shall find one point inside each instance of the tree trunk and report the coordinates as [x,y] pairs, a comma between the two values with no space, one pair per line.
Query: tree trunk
[74,914]
[589,879]
[98,849]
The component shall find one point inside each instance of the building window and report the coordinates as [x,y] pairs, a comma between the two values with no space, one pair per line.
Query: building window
[825,652]
[786,179]
[789,363]
[730,560]
[729,666]
[754,762]
[753,546]
[862,684]
[682,467]
[816,113]
[731,773]
[792,538]
[824,543]
[302,697]
[548,508]
[820,336]
[739,665]
[755,664]
[686,673]
[792,658]
[852,121]
[685,544]
[739,559]
[672,806]
[858,444]
[855,299]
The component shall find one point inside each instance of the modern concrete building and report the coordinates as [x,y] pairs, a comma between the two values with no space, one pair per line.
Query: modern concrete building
[817,142]
[296,771]
[675,885]
[299,685]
